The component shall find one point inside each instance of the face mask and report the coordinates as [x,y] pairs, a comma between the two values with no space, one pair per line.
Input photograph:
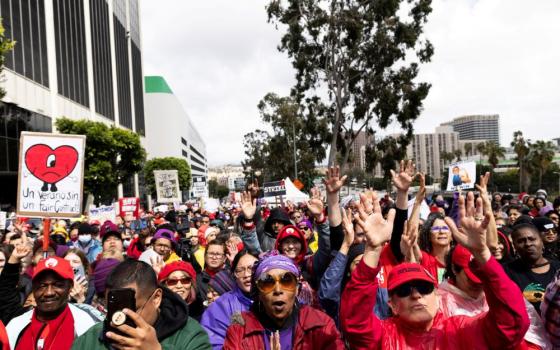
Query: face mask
[85,239]
[126,243]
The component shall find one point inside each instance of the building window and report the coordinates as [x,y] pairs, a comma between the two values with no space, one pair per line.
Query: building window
[121,54]
[197,152]
[24,22]
[71,50]
[199,162]
[184,142]
[194,167]
[185,154]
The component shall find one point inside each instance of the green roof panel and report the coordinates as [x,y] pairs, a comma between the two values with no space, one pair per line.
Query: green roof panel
[156,84]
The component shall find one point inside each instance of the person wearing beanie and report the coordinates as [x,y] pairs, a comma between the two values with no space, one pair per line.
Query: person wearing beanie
[163,243]
[53,323]
[276,319]
[417,321]
[256,237]
[102,269]
[85,242]
[111,240]
[180,277]
[549,236]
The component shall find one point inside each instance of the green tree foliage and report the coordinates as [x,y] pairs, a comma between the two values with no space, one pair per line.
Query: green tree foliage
[386,153]
[167,163]
[493,151]
[6,45]
[541,154]
[112,155]
[361,59]
[521,148]
[292,123]
[216,190]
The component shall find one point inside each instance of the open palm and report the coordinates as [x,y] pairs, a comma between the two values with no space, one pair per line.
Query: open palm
[334,182]
[404,177]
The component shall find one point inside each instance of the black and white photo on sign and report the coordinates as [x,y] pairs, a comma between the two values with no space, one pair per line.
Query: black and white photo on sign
[167,186]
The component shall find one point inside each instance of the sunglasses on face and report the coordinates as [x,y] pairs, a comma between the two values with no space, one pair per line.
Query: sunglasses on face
[440,228]
[184,281]
[405,290]
[305,228]
[267,283]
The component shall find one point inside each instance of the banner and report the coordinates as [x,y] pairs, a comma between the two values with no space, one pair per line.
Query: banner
[199,187]
[103,213]
[51,175]
[274,188]
[462,175]
[129,206]
[167,186]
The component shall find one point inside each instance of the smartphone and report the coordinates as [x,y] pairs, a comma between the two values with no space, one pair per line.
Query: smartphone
[117,300]
[79,271]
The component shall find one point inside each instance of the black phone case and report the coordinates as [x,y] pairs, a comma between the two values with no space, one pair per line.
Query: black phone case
[117,300]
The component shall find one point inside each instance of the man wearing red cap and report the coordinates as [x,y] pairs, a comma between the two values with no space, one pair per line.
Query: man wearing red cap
[53,323]
[417,322]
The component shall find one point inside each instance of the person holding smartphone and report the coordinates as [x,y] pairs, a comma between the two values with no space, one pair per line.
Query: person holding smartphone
[154,319]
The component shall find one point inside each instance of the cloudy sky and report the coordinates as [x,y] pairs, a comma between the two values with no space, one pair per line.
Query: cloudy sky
[491,56]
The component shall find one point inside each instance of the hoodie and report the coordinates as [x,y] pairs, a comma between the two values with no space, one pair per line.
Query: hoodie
[174,328]
[292,231]
[268,238]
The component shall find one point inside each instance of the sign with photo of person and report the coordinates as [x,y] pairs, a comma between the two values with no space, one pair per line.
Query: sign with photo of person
[51,175]
[167,186]
[462,175]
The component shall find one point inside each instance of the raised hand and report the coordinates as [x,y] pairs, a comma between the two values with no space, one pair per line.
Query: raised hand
[409,242]
[347,227]
[253,189]
[333,182]
[143,336]
[404,177]
[157,263]
[315,204]
[21,250]
[248,205]
[474,223]
[421,195]
[79,289]
[483,187]
[231,251]
[376,229]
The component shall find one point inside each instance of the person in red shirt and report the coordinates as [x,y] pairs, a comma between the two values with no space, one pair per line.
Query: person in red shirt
[417,322]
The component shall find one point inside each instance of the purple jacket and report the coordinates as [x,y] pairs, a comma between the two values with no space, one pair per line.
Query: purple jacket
[216,319]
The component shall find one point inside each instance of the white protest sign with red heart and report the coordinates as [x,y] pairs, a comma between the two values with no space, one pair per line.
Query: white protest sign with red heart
[50,177]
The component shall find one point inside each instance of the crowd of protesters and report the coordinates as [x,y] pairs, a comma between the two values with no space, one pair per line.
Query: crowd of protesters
[480,271]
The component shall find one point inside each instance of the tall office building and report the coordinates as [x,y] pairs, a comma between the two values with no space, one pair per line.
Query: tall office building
[80,59]
[477,127]
[357,152]
[171,131]
[426,150]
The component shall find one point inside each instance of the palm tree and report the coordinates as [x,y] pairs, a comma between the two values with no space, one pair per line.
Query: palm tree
[447,157]
[457,154]
[521,148]
[494,152]
[541,154]
[468,149]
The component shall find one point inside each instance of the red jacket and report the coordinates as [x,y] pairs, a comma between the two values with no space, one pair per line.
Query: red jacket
[314,330]
[502,327]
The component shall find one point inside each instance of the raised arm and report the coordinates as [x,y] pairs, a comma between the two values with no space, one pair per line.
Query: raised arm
[362,328]
[320,260]
[402,181]
[492,231]
[506,322]
[248,227]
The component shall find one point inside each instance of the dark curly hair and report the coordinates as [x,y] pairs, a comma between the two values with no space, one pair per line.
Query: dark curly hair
[425,240]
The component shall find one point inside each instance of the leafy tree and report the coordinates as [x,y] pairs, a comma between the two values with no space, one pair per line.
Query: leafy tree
[6,45]
[386,153]
[305,126]
[447,157]
[361,58]
[469,149]
[521,148]
[216,190]
[112,155]
[492,151]
[168,163]
[541,154]
[457,154]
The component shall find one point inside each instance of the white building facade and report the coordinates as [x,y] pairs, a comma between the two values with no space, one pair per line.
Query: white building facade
[171,133]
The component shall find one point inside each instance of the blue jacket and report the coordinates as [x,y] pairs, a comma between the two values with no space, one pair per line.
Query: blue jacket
[330,287]
[216,319]
[91,250]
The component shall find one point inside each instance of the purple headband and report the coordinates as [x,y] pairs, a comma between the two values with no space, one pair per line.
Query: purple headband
[276,262]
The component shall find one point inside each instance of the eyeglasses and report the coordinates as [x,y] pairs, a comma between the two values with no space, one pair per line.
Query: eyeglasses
[184,281]
[439,228]
[267,283]
[162,246]
[215,255]
[422,287]
[305,228]
[243,271]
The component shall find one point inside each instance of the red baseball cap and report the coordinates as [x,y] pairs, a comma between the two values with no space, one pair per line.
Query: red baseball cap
[58,265]
[406,272]
[462,257]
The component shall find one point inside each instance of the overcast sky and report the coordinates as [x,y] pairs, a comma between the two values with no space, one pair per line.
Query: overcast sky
[491,56]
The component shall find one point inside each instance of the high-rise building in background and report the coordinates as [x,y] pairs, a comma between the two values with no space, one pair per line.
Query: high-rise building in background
[477,127]
[171,131]
[426,150]
[357,158]
[80,59]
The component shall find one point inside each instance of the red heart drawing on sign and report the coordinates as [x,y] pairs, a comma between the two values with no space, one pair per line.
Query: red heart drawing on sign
[51,165]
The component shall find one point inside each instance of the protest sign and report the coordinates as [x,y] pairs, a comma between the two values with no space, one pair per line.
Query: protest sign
[167,186]
[51,174]
[129,206]
[274,188]
[424,209]
[3,216]
[462,175]
[199,187]
[103,213]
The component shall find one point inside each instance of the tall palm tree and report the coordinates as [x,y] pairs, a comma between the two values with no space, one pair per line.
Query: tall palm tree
[457,154]
[468,149]
[541,154]
[494,152]
[521,148]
